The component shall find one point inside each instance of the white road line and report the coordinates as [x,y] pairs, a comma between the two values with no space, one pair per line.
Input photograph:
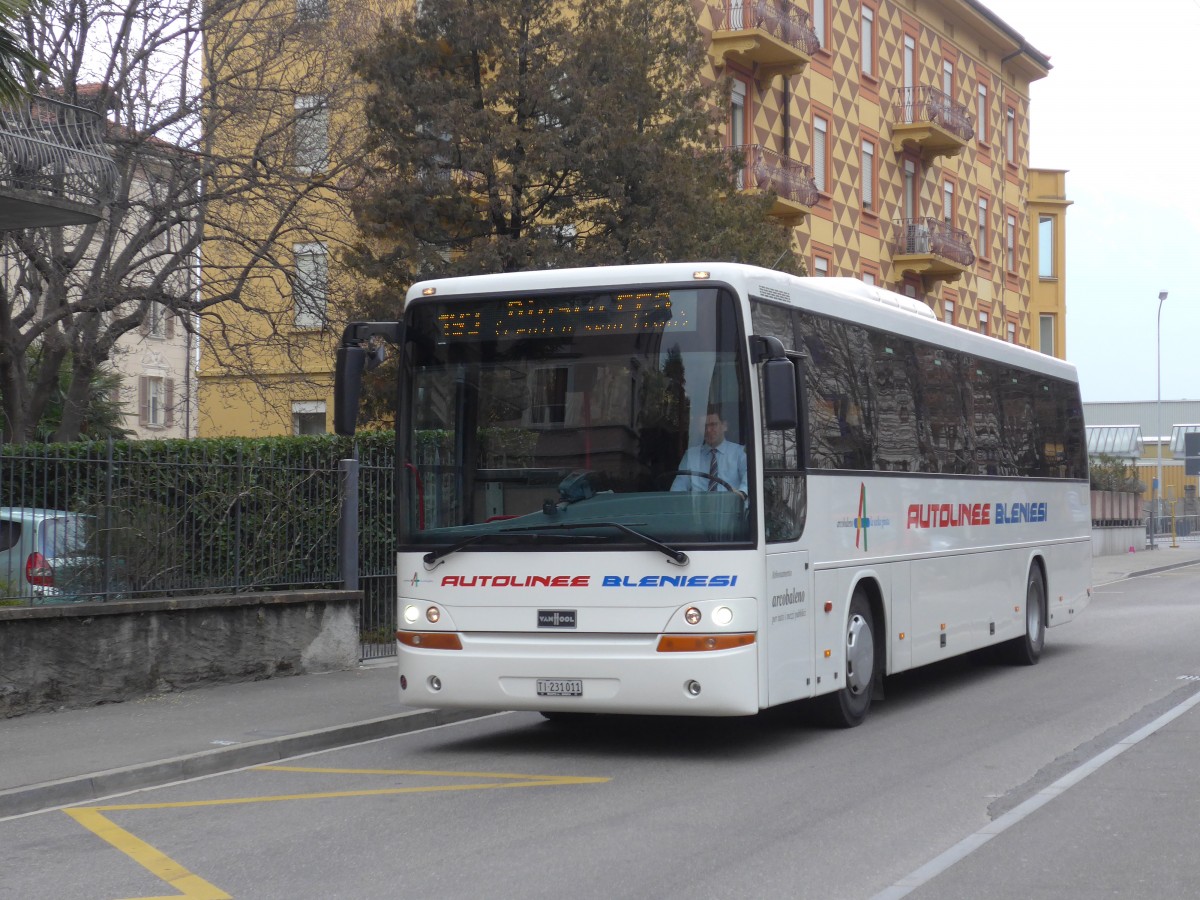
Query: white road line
[969,845]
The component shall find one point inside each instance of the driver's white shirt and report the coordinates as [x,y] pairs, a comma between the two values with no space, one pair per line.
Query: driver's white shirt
[731,467]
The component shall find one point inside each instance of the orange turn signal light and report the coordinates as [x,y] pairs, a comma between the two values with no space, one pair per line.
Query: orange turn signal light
[430,640]
[691,643]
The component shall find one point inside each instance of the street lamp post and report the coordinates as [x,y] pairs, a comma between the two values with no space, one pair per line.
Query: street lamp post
[1162,295]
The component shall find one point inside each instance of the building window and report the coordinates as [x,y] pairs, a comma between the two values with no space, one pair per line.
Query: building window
[870,275]
[868,40]
[156,401]
[1046,333]
[1010,242]
[982,238]
[981,113]
[948,203]
[312,133]
[948,312]
[983,322]
[1045,246]
[548,405]
[868,175]
[312,10]
[821,153]
[308,417]
[159,323]
[1010,134]
[310,291]
[910,189]
[1012,332]
[737,113]
[948,80]
[820,18]
[821,266]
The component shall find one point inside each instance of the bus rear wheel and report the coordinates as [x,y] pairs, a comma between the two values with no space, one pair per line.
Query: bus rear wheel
[848,707]
[1027,650]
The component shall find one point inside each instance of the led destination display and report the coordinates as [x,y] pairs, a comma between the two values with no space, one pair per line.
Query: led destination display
[570,316]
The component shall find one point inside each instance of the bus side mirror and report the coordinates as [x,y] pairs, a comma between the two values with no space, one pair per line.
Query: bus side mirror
[779,394]
[347,386]
[361,350]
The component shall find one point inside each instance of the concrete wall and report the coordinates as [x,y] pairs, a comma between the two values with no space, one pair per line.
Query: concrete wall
[75,655]
[1111,541]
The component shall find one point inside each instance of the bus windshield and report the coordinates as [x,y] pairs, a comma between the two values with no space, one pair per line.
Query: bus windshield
[580,420]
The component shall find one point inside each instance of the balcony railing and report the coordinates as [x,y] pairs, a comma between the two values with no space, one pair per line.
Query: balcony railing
[780,20]
[773,36]
[929,247]
[930,119]
[53,159]
[792,181]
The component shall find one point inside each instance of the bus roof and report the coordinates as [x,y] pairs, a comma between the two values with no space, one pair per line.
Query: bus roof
[844,298]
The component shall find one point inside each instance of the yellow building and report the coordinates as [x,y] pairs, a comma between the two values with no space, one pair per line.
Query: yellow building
[1048,304]
[895,133]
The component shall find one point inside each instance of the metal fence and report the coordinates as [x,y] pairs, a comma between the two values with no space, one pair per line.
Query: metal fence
[376,553]
[107,521]
[55,149]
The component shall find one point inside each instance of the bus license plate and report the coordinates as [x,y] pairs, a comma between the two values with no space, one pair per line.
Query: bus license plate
[560,687]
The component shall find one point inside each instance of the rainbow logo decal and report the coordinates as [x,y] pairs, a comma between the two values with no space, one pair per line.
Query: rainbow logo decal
[862,522]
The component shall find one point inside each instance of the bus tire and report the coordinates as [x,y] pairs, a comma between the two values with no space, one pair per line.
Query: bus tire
[848,707]
[1027,649]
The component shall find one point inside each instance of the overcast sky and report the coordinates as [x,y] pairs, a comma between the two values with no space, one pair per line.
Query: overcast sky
[1119,111]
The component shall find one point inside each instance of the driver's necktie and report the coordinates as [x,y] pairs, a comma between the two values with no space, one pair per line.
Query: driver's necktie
[712,469]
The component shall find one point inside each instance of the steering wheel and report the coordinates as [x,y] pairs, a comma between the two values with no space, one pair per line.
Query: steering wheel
[721,481]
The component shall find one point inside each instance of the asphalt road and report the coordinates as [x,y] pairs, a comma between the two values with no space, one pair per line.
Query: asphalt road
[1075,778]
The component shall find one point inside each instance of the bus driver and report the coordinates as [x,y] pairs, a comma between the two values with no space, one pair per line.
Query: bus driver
[724,461]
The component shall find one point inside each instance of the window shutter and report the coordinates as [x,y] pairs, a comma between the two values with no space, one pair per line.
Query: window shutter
[169,404]
[143,400]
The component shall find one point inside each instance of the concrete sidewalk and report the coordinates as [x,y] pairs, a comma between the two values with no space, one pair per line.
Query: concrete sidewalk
[74,756]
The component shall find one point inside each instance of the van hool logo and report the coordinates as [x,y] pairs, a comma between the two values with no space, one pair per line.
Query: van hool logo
[863,523]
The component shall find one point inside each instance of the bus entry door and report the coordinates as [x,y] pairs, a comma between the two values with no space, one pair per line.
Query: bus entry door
[789,627]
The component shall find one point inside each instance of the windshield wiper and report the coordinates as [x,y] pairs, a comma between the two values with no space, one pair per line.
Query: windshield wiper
[433,557]
[677,557]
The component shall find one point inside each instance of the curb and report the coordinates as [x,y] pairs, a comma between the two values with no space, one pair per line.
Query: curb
[82,788]
[1179,565]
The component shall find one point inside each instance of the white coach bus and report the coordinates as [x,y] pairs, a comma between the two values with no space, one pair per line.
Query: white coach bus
[887,490]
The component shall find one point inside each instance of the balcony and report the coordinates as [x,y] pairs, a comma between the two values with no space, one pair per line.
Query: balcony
[769,38]
[932,249]
[795,190]
[927,119]
[54,167]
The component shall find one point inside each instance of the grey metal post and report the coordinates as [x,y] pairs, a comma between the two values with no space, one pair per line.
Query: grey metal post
[348,524]
[108,506]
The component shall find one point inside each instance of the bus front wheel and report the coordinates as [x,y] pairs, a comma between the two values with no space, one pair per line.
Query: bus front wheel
[1027,649]
[848,707]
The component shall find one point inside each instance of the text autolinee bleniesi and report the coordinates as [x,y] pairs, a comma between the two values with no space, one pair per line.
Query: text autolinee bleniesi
[582,581]
[954,515]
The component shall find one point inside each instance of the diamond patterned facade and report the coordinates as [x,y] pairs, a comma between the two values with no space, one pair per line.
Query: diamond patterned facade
[942,52]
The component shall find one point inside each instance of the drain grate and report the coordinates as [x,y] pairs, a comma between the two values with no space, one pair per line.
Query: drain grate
[1188,678]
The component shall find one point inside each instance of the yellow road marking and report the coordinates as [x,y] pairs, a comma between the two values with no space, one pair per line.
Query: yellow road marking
[193,887]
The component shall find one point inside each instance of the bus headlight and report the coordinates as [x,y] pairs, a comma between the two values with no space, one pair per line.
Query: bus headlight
[433,614]
[692,616]
[410,614]
[722,616]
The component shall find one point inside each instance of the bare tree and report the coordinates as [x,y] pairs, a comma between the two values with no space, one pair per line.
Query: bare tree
[218,115]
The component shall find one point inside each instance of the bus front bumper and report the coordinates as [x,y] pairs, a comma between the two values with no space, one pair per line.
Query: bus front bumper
[580,673]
